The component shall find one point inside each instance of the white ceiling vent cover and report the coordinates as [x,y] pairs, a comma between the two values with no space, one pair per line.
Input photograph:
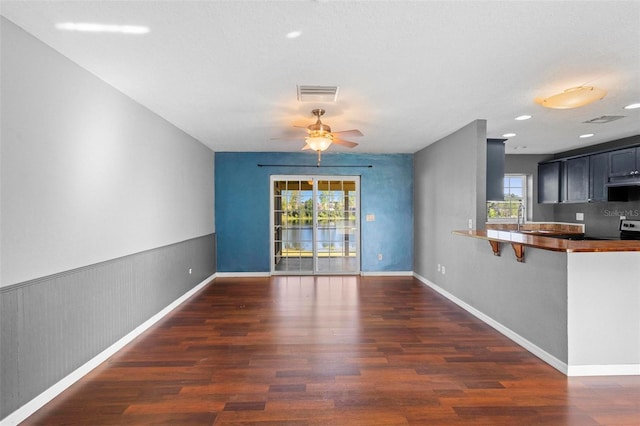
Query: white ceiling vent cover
[605,119]
[317,93]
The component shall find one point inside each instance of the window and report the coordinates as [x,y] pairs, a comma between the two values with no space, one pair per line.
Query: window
[515,194]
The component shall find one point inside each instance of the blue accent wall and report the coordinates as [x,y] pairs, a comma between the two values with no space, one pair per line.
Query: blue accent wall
[242,205]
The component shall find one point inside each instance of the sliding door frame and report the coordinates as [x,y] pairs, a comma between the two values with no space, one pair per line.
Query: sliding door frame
[272,225]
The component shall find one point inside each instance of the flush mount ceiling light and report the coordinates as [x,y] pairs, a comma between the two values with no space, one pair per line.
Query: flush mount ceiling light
[508,135]
[573,98]
[586,135]
[633,106]
[523,117]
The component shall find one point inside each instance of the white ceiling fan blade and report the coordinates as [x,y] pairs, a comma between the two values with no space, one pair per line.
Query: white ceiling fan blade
[352,132]
[348,144]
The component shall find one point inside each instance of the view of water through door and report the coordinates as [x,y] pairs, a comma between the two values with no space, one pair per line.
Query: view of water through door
[315,224]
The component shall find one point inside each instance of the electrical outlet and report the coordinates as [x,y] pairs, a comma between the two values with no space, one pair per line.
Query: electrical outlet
[379,256]
[438,267]
[579,216]
[189,271]
[470,223]
[444,271]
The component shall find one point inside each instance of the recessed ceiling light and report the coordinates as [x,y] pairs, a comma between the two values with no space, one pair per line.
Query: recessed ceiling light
[633,106]
[508,135]
[523,117]
[294,34]
[90,27]
[586,135]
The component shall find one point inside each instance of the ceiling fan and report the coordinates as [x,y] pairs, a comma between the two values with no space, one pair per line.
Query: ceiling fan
[320,137]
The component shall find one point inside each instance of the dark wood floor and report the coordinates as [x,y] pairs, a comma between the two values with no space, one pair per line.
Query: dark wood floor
[333,351]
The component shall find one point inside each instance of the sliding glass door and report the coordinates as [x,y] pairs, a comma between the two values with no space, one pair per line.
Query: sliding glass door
[315,225]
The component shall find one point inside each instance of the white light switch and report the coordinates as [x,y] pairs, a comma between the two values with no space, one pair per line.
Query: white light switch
[579,216]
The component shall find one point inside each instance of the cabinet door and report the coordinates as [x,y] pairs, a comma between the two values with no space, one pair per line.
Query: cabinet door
[623,162]
[495,169]
[598,174]
[577,180]
[549,182]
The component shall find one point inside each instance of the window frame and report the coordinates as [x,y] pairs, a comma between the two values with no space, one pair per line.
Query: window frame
[526,198]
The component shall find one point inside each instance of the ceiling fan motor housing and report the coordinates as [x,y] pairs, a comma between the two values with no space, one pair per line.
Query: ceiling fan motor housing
[319,128]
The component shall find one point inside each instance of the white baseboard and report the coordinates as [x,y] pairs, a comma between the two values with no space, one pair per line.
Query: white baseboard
[268,274]
[604,370]
[537,351]
[387,273]
[242,274]
[39,401]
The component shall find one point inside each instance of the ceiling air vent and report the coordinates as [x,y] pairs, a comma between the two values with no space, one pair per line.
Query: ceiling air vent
[604,119]
[317,93]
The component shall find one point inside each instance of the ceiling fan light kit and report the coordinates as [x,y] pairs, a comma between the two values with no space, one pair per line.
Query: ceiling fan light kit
[318,143]
[574,97]
[320,137]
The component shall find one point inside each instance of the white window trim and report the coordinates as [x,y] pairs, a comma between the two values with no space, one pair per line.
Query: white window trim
[527,196]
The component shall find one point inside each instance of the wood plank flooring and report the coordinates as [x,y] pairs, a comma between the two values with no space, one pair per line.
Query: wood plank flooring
[333,351]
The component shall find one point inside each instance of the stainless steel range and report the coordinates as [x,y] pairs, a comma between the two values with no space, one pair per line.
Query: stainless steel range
[629,229]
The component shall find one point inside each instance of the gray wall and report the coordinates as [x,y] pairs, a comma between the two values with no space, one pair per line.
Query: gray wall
[104,208]
[88,174]
[599,218]
[52,325]
[528,298]
[448,185]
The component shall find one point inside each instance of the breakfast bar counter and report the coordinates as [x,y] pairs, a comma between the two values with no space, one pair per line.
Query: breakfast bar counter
[519,240]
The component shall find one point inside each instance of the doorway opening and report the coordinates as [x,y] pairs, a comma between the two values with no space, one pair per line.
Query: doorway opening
[315,224]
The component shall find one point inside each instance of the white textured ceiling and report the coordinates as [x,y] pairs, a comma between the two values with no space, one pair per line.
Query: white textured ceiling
[409,72]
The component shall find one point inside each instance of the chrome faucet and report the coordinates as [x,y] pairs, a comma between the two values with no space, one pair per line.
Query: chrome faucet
[521,213]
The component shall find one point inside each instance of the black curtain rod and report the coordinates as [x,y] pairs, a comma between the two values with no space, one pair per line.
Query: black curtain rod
[309,165]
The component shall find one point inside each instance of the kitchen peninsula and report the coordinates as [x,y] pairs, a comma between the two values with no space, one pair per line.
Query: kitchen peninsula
[597,311]
[519,240]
